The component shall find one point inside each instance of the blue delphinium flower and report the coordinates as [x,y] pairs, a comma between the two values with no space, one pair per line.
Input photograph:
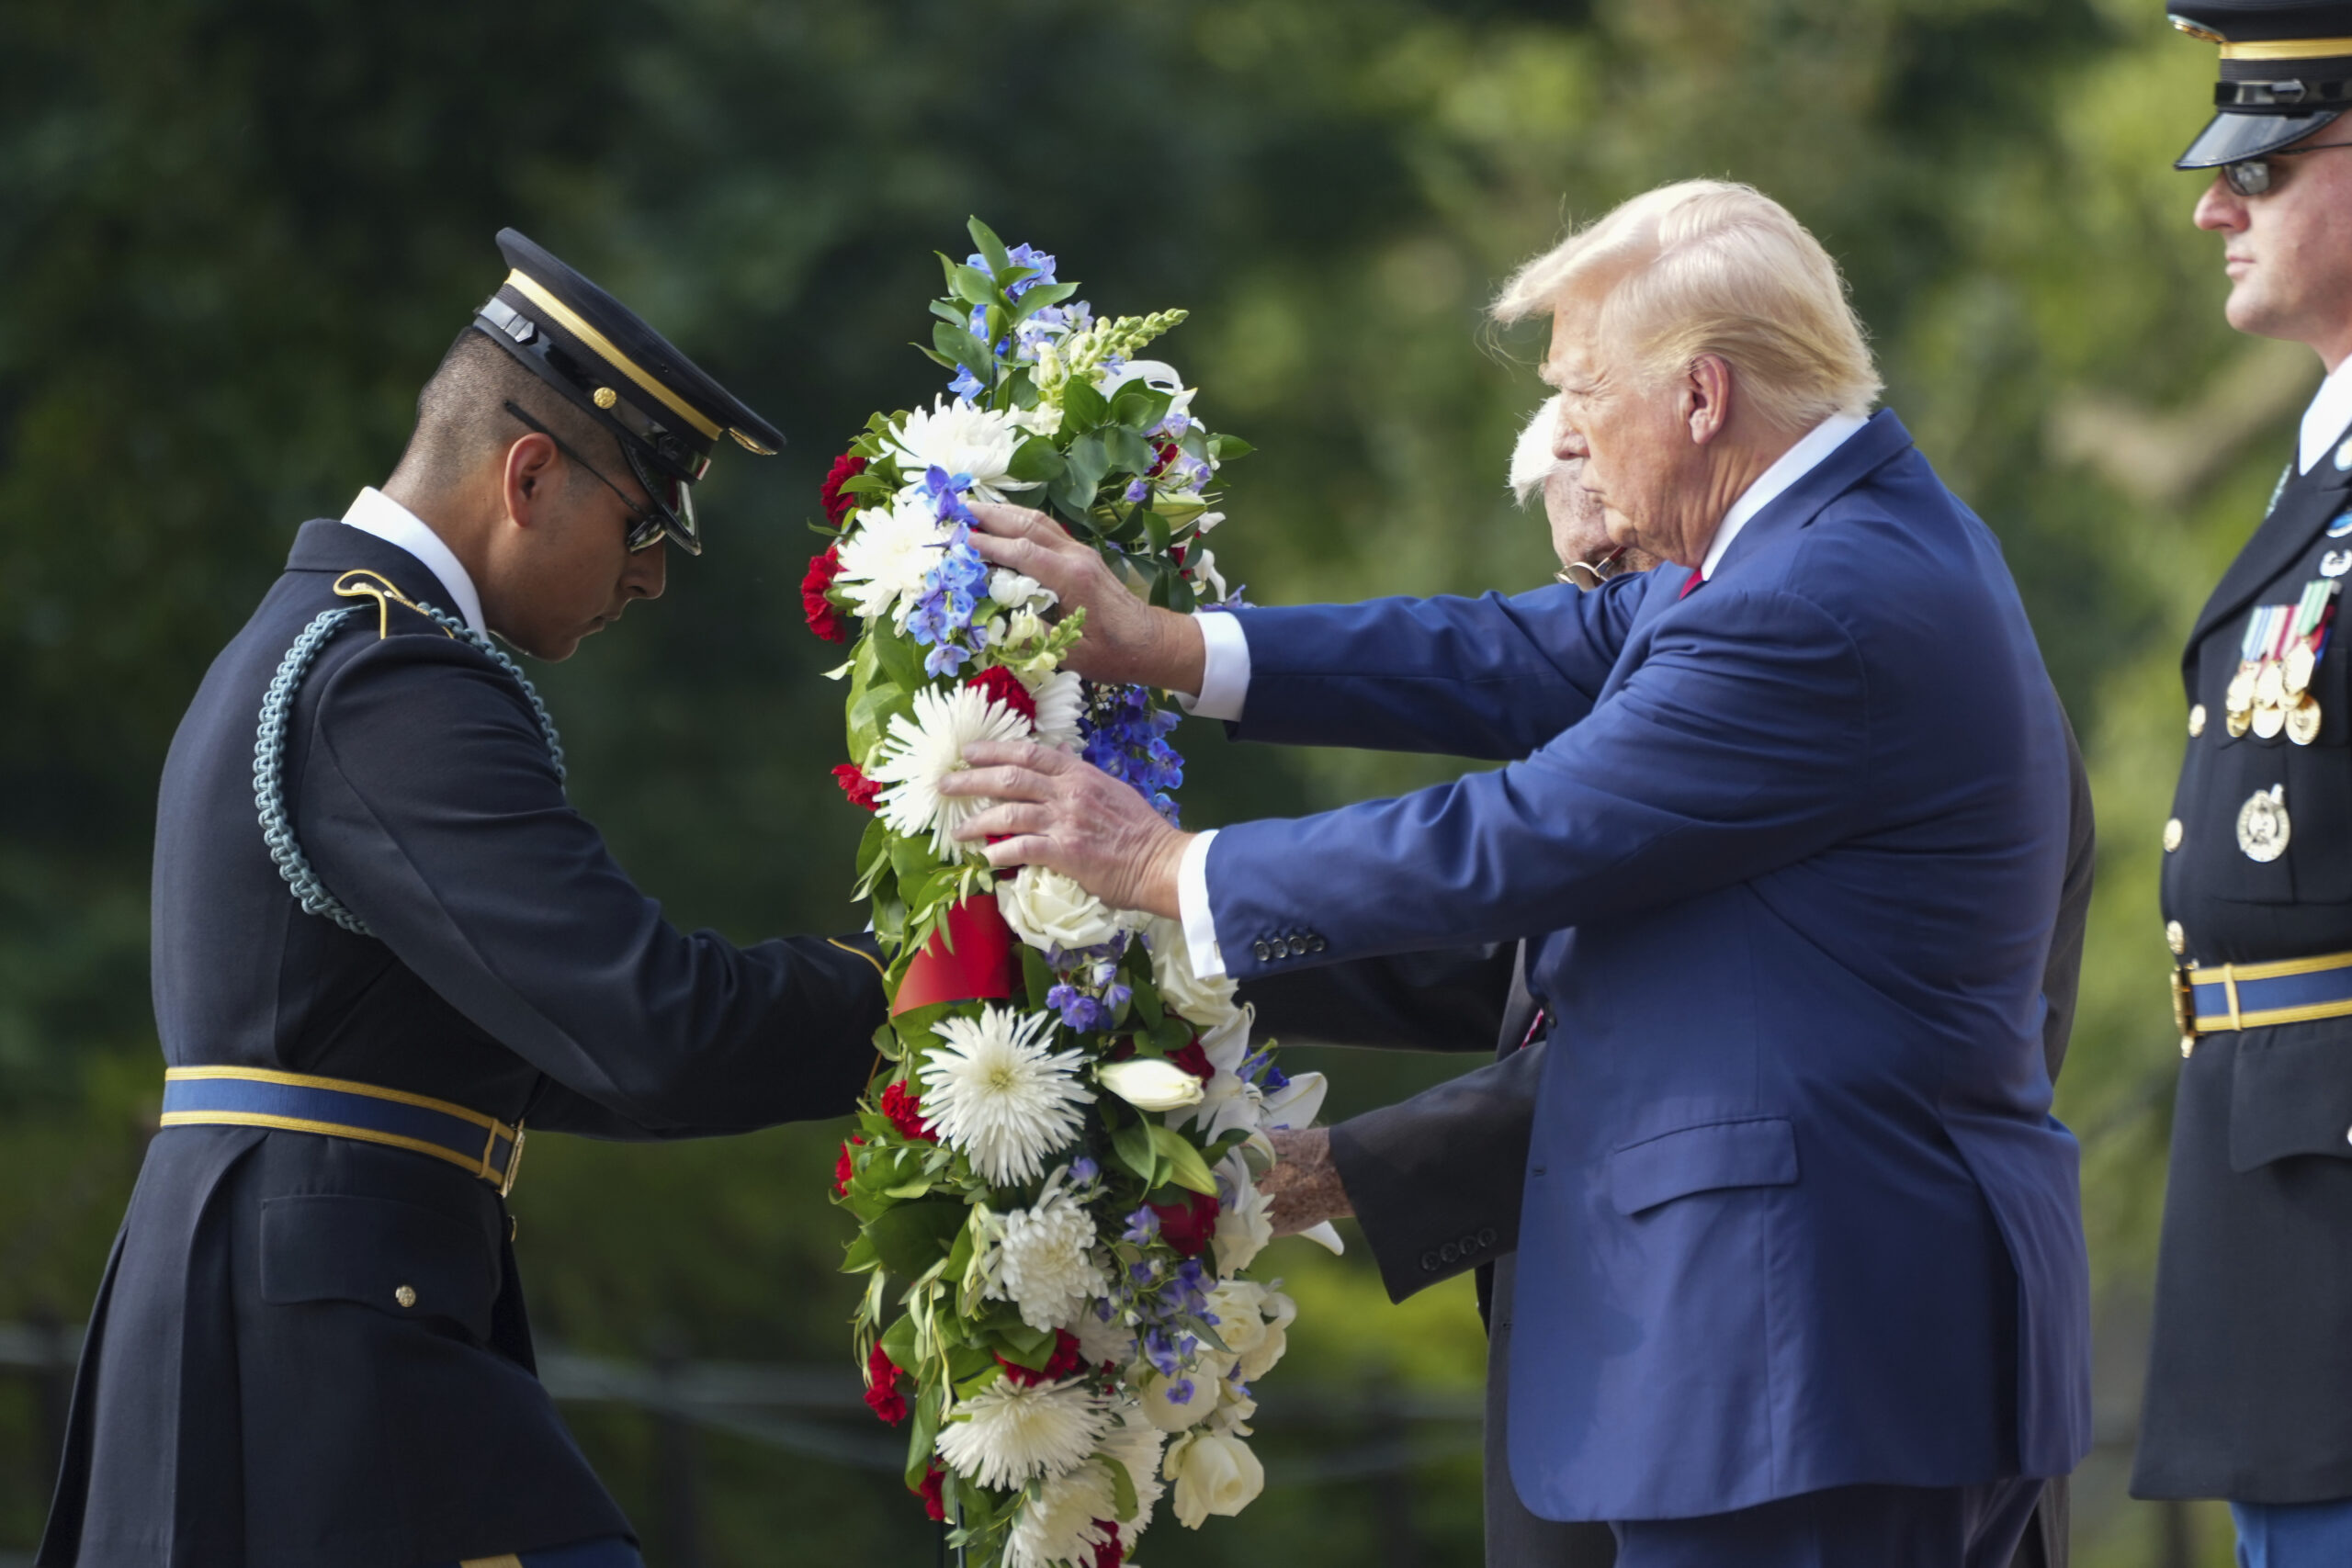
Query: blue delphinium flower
[1124,736]
[1143,1227]
[1080,1011]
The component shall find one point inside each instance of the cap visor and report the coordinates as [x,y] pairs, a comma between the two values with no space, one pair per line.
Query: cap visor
[2234,136]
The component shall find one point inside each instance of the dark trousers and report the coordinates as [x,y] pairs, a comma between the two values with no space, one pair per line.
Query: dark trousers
[1845,1527]
[1517,1539]
[605,1552]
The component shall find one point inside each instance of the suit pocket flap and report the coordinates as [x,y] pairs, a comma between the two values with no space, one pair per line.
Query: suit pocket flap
[1757,1152]
[401,1258]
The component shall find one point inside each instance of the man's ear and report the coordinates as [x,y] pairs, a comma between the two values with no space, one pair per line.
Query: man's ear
[1706,398]
[529,477]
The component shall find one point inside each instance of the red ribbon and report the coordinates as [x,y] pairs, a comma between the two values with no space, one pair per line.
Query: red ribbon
[983,965]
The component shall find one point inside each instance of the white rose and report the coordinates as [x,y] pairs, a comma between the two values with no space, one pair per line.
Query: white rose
[1279,1310]
[1208,1003]
[1215,1472]
[1173,1415]
[1243,1225]
[1239,1321]
[1045,909]
[1150,1083]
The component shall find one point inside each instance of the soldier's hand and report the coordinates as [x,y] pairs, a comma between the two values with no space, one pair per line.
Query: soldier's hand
[1303,1190]
[1054,809]
[1126,641]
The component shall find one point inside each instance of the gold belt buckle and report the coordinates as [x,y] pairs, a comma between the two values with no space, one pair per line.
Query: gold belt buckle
[2183,1008]
[514,1162]
[513,1157]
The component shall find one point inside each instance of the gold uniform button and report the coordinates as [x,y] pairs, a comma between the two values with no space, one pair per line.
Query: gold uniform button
[2172,835]
[2175,937]
[2196,721]
[405,1295]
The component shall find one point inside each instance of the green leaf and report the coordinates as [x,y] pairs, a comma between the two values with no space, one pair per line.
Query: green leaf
[926,1431]
[1038,299]
[1129,451]
[1155,528]
[1139,405]
[898,1341]
[861,1256]
[1186,1168]
[1180,597]
[912,1237]
[933,356]
[984,240]
[1224,448]
[1025,1346]
[895,655]
[1035,461]
[960,347]
[948,312]
[1132,1144]
[1036,974]
[972,286]
[1122,1489]
[1086,464]
[1082,407]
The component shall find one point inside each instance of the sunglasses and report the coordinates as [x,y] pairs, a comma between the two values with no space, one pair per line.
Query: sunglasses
[2255,177]
[671,514]
[1588,575]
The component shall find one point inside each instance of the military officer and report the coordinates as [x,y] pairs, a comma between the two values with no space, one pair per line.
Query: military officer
[385,945]
[2252,1353]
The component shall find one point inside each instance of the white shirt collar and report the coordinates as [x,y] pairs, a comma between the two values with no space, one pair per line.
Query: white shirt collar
[378,514]
[1793,465]
[2323,421]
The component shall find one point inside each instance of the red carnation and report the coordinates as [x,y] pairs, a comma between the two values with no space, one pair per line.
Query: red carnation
[837,506]
[843,1169]
[905,1111]
[1166,453]
[1194,1060]
[862,791]
[1110,1555]
[823,619]
[933,1503]
[1001,685]
[882,1395]
[1063,1363]
[1190,1226]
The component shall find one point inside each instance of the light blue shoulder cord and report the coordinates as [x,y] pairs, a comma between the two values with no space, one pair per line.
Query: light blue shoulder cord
[269,750]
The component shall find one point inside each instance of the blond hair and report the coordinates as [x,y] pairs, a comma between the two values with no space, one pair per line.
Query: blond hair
[1706,266]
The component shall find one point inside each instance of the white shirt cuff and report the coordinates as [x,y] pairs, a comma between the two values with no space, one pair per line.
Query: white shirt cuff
[1225,667]
[1192,908]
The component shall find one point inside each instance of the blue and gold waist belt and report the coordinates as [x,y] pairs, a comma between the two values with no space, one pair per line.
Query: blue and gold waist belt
[2256,995]
[335,1108]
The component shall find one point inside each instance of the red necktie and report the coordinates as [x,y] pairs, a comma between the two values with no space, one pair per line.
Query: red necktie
[1692,583]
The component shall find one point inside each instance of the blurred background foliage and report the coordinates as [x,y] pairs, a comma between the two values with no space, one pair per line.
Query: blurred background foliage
[235,235]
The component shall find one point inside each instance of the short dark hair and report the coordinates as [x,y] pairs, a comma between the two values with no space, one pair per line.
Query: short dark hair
[461,417]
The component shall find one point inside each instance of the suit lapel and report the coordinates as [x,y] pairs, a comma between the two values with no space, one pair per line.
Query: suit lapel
[1865,452]
[2305,506]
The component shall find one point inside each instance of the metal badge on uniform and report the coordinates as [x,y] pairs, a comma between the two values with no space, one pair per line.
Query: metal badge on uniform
[2263,825]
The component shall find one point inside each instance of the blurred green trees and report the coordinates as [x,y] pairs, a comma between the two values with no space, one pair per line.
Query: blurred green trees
[235,236]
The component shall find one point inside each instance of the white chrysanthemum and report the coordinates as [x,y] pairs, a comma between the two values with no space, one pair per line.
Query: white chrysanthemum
[1007,1436]
[1045,1263]
[1102,1340]
[1208,1003]
[1136,1443]
[1047,910]
[1061,1527]
[961,438]
[994,1091]
[922,749]
[1061,698]
[887,554]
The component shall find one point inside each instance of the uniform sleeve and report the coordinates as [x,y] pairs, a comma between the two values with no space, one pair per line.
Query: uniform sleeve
[1492,677]
[1738,747]
[2063,974]
[1447,1000]
[431,807]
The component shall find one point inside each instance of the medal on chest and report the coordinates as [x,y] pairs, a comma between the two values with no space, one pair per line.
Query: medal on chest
[2278,657]
[2264,827]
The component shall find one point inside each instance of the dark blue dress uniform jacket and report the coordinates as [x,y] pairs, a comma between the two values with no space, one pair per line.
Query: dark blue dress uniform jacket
[252,1392]
[2249,1392]
[1796,1215]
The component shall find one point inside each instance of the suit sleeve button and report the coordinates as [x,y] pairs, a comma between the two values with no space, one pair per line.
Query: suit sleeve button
[1449,1252]
[1429,1262]
[1264,951]
[1487,1237]
[1297,945]
[1316,943]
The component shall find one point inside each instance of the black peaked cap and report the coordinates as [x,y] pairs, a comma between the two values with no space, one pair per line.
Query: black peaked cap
[2285,70]
[600,355]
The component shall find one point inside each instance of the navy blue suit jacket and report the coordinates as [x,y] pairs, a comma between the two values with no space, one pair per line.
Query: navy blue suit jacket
[1796,1212]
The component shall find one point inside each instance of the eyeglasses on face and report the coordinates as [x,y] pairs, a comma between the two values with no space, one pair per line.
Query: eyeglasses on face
[2255,177]
[646,526]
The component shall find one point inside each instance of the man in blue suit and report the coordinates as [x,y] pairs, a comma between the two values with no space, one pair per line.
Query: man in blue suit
[1800,1267]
